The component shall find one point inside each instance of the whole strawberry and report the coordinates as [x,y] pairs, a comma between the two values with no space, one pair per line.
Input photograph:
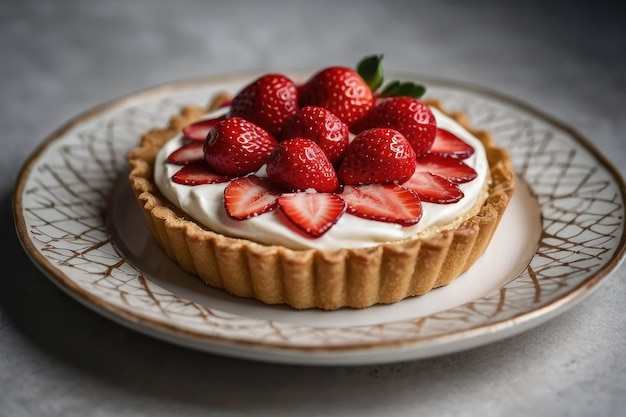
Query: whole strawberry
[377,156]
[407,115]
[341,90]
[267,102]
[349,93]
[322,127]
[300,164]
[236,147]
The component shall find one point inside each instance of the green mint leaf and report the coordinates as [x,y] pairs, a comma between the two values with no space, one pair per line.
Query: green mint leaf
[403,89]
[390,89]
[371,70]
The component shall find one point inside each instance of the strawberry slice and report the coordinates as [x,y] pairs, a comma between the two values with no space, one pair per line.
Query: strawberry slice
[313,213]
[197,173]
[390,203]
[250,196]
[190,152]
[199,130]
[434,188]
[448,144]
[453,169]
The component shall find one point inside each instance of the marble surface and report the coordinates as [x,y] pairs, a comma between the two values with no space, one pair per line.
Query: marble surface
[60,58]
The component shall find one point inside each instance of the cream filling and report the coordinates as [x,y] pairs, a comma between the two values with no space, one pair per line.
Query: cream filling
[205,203]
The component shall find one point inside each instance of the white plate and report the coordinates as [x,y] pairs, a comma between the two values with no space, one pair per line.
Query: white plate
[561,236]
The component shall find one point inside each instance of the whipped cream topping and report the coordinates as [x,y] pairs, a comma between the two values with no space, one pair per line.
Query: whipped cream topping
[205,203]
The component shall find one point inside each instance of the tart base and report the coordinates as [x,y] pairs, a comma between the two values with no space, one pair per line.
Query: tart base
[329,280]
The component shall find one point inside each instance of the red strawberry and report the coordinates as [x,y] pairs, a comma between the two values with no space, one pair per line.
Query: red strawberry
[199,130]
[197,173]
[407,115]
[313,213]
[250,196]
[300,164]
[379,155]
[340,90]
[237,147]
[390,203]
[267,102]
[448,144]
[190,152]
[322,127]
[453,169]
[433,188]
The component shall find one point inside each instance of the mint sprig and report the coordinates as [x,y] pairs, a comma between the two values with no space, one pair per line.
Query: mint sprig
[371,70]
[403,89]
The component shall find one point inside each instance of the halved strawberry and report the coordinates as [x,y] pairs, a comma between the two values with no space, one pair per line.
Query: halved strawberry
[249,196]
[448,144]
[433,188]
[197,173]
[408,116]
[377,156]
[322,127]
[453,169]
[236,147]
[300,164]
[390,203]
[267,102]
[189,152]
[314,213]
[199,130]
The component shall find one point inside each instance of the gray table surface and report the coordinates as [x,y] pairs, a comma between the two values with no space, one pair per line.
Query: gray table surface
[60,58]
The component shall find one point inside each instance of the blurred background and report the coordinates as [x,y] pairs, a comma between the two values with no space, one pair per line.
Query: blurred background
[60,58]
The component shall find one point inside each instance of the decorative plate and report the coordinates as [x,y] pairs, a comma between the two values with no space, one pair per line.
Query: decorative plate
[561,236]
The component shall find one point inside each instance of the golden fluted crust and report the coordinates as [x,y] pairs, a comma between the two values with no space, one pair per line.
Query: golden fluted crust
[357,278]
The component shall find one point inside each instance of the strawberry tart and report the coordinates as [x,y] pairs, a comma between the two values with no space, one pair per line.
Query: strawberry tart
[335,192]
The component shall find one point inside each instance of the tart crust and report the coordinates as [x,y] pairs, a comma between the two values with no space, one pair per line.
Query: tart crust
[311,278]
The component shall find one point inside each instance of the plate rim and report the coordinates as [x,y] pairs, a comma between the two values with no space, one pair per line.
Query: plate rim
[472,337]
